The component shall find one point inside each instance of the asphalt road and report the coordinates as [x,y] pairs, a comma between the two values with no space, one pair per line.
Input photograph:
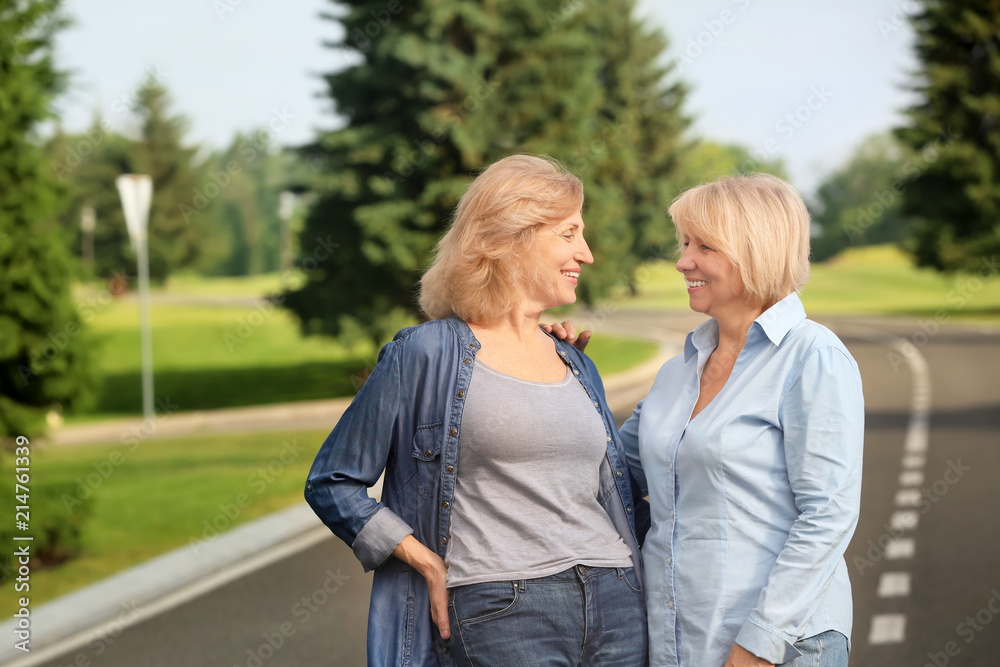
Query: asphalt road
[939,604]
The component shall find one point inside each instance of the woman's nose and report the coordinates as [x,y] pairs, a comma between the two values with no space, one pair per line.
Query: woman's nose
[584,255]
[685,262]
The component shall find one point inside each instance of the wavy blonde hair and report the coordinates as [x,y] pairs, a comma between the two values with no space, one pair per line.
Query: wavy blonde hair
[759,223]
[486,262]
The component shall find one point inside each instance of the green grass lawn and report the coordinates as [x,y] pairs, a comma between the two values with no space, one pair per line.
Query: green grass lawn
[870,280]
[208,356]
[163,495]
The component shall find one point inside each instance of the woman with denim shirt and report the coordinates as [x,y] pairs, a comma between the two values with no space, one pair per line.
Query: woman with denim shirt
[505,534]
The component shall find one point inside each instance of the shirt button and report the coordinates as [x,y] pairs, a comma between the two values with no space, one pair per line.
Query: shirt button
[576,372]
[628,509]
[670,604]
[669,560]
[309,486]
[461,394]
[446,504]
[450,468]
[444,540]
[453,432]
[467,361]
[427,452]
[609,438]
[472,346]
[619,473]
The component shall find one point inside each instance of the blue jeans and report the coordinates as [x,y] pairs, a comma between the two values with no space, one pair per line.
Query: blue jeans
[827,649]
[581,616]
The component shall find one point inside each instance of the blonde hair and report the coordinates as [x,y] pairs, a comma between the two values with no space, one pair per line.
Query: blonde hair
[486,262]
[759,223]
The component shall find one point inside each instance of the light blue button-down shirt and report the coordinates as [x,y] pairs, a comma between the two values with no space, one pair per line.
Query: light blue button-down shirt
[754,500]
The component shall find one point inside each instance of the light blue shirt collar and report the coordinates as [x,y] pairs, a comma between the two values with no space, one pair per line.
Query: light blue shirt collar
[775,323]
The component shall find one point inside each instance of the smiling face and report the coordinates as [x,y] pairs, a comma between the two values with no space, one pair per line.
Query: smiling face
[714,286]
[563,251]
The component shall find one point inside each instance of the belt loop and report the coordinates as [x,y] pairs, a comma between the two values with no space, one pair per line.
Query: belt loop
[520,585]
[621,572]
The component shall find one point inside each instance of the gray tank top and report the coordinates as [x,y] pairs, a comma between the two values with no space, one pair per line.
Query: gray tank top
[526,488]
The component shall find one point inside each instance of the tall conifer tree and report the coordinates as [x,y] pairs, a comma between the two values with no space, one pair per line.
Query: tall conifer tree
[953,191]
[443,89]
[42,358]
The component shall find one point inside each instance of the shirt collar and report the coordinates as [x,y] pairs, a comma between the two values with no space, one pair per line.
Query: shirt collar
[779,319]
[775,322]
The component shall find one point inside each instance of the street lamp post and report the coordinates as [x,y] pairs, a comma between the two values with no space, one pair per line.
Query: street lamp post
[87,224]
[136,192]
[286,207]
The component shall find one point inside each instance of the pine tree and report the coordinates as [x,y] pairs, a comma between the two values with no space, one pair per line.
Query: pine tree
[953,189]
[43,359]
[442,90]
[181,189]
[855,205]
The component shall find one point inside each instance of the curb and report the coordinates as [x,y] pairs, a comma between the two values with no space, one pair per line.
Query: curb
[99,612]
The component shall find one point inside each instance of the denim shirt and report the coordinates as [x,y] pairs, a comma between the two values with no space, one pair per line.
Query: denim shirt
[406,421]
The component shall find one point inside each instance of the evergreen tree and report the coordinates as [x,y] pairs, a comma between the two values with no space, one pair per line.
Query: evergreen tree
[181,189]
[856,205]
[87,165]
[443,89]
[953,193]
[42,357]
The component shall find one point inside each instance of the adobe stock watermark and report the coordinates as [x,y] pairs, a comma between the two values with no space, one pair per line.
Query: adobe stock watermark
[362,36]
[219,179]
[82,148]
[924,500]
[899,15]
[971,627]
[567,11]
[103,469]
[246,326]
[957,298]
[257,482]
[788,125]
[56,342]
[405,165]
[867,216]
[699,43]
[302,611]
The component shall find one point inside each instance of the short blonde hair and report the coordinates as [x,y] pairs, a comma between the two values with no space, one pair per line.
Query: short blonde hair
[759,223]
[486,262]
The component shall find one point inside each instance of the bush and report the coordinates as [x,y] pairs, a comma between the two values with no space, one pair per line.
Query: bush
[55,525]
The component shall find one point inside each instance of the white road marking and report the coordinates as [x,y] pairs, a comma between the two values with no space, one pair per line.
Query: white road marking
[887,629]
[903,547]
[904,520]
[894,585]
[908,498]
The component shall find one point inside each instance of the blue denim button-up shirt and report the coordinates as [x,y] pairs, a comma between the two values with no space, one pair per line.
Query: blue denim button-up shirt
[406,420]
[755,499]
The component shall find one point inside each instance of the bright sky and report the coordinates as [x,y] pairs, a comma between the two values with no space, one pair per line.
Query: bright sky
[803,80]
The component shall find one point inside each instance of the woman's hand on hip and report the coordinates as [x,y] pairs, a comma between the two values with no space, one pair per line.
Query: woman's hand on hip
[434,571]
[740,657]
[566,331]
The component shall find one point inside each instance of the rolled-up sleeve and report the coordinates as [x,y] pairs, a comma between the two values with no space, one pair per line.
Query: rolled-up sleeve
[351,460]
[822,419]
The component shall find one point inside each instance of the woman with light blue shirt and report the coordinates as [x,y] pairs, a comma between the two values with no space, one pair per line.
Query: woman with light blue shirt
[749,446]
